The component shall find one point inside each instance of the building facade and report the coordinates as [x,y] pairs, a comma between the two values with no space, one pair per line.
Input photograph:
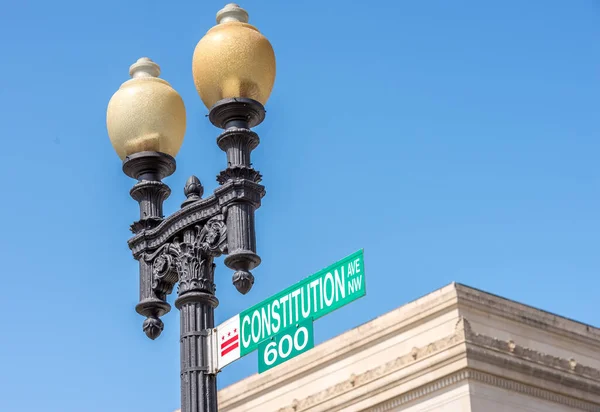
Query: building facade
[456,349]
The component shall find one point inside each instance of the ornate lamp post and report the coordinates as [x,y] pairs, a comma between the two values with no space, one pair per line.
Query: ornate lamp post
[234,72]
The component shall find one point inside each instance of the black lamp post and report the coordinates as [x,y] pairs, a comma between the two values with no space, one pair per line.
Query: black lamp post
[234,72]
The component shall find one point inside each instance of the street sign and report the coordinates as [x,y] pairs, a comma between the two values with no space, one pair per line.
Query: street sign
[287,344]
[307,300]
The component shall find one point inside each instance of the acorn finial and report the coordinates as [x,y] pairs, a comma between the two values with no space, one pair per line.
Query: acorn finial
[193,190]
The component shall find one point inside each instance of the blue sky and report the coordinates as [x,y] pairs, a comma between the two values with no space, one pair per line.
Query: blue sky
[453,141]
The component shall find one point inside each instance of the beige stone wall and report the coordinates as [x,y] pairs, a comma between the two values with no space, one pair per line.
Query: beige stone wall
[453,399]
[485,398]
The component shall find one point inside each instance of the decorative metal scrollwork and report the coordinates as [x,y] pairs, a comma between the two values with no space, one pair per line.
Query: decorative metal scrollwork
[212,238]
[164,273]
[190,263]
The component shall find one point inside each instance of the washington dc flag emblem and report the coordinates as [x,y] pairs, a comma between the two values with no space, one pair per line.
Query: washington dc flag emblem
[228,341]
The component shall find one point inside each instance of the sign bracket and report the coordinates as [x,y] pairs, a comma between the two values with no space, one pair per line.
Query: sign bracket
[213,354]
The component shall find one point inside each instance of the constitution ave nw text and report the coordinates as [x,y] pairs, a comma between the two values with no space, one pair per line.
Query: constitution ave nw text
[311,298]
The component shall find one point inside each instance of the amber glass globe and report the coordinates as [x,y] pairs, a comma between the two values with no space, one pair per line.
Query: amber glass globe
[233,60]
[146,113]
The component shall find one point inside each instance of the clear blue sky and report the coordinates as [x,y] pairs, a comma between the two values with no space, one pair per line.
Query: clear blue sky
[453,141]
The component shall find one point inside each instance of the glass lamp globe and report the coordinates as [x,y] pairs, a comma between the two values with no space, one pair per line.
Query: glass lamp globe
[146,113]
[233,59]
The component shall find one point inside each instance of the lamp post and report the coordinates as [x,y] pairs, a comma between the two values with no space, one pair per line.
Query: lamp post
[234,71]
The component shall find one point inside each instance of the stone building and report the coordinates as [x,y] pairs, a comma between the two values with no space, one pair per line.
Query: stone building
[456,349]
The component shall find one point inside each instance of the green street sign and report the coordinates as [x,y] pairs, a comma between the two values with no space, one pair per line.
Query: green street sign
[286,345]
[284,314]
[309,299]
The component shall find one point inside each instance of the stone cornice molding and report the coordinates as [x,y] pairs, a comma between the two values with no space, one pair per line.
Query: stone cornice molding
[527,315]
[570,366]
[431,387]
[488,379]
[504,353]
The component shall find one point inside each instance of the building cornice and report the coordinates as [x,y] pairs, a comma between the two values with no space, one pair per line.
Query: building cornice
[484,348]
[570,366]
[471,375]
[528,315]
